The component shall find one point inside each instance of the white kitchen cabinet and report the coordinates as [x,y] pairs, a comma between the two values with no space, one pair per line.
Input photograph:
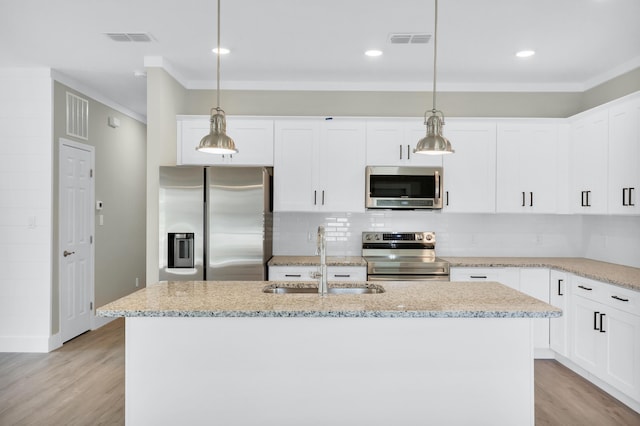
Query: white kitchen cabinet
[391,143]
[319,165]
[307,273]
[605,324]
[470,173]
[558,297]
[589,153]
[624,157]
[253,138]
[527,168]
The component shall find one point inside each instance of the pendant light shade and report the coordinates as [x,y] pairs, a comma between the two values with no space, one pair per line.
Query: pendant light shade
[217,141]
[434,143]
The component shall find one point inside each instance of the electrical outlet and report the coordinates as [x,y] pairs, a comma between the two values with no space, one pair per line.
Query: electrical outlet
[137,282]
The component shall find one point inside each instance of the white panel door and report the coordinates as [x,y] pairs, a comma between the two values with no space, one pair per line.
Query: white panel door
[76,228]
[624,157]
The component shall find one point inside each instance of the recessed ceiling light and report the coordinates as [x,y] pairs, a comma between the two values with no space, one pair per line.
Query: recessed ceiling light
[373,52]
[525,53]
[223,50]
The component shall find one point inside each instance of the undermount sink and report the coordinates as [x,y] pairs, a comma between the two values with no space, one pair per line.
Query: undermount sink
[307,289]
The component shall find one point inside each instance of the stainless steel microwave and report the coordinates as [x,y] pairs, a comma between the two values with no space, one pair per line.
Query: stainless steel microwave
[389,187]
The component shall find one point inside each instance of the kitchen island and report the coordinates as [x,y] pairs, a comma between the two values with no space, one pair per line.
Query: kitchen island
[420,353]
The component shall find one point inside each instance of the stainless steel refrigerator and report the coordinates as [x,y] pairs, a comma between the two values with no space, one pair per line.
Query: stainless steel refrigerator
[215,223]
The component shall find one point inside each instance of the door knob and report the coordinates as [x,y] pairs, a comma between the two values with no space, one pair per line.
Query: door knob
[68,253]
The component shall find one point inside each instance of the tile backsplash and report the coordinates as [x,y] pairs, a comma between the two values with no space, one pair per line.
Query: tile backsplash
[467,234]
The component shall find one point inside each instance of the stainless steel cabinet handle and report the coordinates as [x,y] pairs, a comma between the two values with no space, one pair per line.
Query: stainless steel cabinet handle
[400,146]
[630,194]
[585,288]
[68,253]
[620,298]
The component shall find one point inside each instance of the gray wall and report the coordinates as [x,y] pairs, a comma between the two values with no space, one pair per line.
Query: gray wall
[120,182]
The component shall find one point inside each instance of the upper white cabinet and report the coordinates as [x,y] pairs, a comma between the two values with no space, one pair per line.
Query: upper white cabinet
[527,172]
[391,143]
[319,165]
[253,138]
[624,158]
[470,173]
[589,152]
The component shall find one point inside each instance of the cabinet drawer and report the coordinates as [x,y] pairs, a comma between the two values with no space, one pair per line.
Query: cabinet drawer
[623,299]
[587,288]
[475,274]
[347,273]
[292,273]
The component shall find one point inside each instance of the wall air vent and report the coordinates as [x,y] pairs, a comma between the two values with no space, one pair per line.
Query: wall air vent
[134,37]
[409,38]
[77,116]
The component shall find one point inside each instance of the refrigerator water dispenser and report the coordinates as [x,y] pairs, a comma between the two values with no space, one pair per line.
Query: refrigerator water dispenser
[180,250]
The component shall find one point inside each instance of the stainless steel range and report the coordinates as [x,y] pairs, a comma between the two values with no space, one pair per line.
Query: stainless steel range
[405,256]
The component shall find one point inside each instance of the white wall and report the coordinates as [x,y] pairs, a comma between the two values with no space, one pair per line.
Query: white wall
[613,239]
[25,209]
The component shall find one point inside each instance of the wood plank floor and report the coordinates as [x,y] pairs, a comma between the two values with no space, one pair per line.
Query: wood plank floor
[82,383]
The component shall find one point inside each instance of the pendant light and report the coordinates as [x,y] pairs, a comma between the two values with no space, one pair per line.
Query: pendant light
[434,143]
[217,141]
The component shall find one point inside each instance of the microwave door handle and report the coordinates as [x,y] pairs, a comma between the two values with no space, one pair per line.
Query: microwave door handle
[437,175]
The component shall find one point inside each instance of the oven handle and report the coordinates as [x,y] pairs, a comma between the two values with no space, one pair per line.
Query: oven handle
[444,277]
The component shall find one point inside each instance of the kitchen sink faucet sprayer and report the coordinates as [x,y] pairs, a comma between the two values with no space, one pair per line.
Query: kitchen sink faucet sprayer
[322,251]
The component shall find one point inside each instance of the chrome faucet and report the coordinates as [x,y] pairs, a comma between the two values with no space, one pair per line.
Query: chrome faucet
[322,251]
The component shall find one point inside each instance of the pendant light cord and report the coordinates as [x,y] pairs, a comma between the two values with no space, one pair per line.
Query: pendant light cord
[435,55]
[218,63]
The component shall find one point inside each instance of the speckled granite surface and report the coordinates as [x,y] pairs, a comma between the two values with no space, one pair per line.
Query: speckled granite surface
[315,261]
[623,276]
[401,299]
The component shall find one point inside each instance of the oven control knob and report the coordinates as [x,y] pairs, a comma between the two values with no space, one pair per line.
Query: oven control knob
[418,237]
[428,237]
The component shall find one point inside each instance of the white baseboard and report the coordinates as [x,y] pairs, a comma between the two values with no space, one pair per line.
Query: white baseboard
[55,342]
[543,353]
[100,322]
[37,344]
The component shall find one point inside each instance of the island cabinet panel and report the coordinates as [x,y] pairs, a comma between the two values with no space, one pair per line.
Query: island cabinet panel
[624,158]
[527,167]
[589,159]
[307,273]
[319,165]
[329,371]
[470,173]
[559,297]
[390,142]
[605,326]
[253,137]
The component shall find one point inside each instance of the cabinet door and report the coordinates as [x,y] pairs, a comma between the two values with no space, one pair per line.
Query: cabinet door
[558,326]
[624,157]
[470,173]
[342,166]
[621,331]
[295,174]
[253,137]
[391,143]
[527,171]
[589,152]
[254,140]
[587,346]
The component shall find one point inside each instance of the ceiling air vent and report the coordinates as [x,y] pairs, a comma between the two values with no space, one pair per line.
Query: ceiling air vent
[409,38]
[135,37]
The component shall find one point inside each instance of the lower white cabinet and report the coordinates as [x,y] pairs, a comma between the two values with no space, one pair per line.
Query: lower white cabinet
[307,273]
[605,331]
[559,297]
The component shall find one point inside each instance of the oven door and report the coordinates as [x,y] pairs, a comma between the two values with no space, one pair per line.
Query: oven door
[407,269]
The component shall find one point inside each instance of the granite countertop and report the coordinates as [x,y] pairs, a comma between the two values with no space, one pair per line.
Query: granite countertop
[315,261]
[401,299]
[620,275]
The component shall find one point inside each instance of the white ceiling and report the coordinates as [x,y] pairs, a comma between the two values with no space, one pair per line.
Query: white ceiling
[319,44]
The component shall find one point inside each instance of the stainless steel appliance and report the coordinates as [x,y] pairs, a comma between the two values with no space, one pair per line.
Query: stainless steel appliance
[389,187]
[404,256]
[215,223]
